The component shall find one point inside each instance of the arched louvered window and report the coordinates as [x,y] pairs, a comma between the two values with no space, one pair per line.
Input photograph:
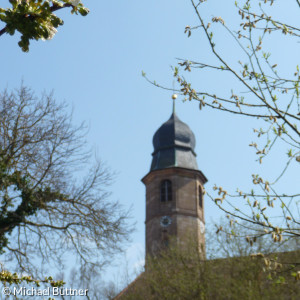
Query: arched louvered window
[165,238]
[166,242]
[200,196]
[166,191]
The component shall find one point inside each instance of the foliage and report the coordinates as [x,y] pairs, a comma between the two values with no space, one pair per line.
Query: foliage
[180,273]
[35,19]
[224,243]
[261,90]
[45,212]
[91,280]
[11,281]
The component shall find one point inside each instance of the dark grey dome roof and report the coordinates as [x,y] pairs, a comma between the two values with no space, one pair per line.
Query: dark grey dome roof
[174,145]
[173,133]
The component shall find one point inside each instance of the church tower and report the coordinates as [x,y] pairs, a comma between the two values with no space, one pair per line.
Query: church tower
[174,189]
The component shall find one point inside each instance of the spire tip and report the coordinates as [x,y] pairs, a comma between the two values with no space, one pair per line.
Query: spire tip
[174,96]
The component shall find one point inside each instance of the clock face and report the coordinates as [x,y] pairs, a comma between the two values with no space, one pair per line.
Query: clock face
[165,221]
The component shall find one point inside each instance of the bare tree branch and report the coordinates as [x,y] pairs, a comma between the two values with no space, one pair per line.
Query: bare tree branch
[44,210]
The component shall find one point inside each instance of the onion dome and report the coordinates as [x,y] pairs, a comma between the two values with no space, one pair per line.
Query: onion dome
[174,145]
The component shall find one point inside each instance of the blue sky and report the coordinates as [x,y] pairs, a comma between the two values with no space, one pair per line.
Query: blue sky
[94,63]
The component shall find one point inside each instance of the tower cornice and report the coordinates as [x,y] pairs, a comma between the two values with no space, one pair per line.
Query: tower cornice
[175,170]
